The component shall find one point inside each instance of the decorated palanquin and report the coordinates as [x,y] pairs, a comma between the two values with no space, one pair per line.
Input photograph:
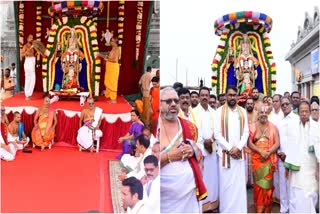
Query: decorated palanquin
[244,57]
[72,64]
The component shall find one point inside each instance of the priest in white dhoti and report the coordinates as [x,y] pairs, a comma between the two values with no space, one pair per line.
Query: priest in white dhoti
[289,122]
[275,117]
[7,152]
[16,132]
[29,67]
[89,123]
[204,115]
[181,184]
[231,133]
[302,164]
[185,110]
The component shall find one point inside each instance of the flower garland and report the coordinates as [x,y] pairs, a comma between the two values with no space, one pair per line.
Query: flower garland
[273,79]
[138,27]
[90,26]
[38,28]
[21,24]
[120,25]
[216,63]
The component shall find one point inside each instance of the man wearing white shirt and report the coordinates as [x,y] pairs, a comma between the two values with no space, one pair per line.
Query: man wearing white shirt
[204,115]
[13,75]
[132,195]
[287,136]
[231,133]
[144,150]
[151,194]
[275,117]
[302,164]
[185,110]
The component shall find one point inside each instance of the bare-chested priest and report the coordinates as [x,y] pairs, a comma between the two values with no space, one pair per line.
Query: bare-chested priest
[16,132]
[89,123]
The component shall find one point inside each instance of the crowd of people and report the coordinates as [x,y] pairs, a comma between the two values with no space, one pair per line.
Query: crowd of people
[271,144]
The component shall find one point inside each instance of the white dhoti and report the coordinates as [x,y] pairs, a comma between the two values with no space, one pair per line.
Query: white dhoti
[232,187]
[30,75]
[283,188]
[8,156]
[13,139]
[211,180]
[178,189]
[301,202]
[276,191]
[85,137]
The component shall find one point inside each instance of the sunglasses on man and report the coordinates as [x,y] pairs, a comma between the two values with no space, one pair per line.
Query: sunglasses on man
[169,101]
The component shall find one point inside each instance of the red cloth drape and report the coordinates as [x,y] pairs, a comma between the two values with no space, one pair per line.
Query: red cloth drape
[67,129]
[112,132]
[27,120]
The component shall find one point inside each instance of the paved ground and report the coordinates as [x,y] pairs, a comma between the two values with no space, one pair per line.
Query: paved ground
[275,207]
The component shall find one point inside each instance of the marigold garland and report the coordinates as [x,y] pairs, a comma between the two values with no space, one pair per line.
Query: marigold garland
[21,24]
[120,25]
[139,27]
[38,28]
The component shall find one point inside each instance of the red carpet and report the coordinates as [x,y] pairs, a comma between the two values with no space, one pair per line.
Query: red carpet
[122,106]
[57,180]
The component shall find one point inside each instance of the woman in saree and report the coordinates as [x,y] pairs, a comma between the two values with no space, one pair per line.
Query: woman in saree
[264,142]
[130,138]
[45,122]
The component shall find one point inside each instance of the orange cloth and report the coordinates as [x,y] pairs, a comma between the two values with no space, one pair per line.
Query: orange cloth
[263,197]
[155,104]
[43,135]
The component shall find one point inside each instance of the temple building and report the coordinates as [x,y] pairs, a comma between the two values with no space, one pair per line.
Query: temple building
[304,57]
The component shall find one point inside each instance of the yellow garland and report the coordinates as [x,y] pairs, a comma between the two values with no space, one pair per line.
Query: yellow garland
[139,27]
[120,25]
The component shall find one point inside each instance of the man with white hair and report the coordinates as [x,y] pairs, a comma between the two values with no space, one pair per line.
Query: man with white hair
[301,163]
[181,186]
[89,130]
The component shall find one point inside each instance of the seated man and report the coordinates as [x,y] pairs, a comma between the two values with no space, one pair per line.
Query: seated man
[7,152]
[89,130]
[16,132]
[134,165]
[45,122]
